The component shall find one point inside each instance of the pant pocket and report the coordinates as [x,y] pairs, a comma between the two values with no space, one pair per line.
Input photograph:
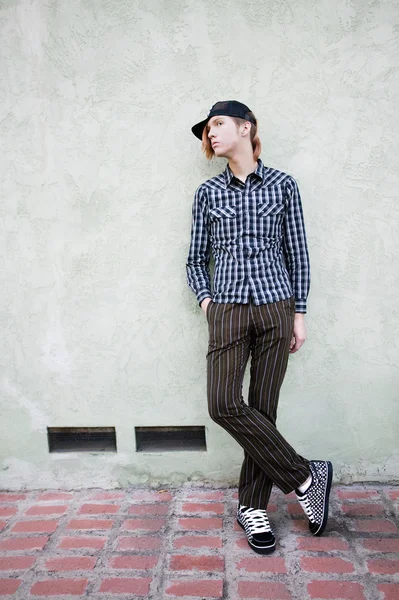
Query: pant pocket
[208,308]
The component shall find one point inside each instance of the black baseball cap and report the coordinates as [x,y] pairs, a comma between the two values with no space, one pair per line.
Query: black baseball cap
[228,108]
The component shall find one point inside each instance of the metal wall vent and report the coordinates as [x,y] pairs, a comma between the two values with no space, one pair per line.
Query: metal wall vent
[170,439]
[81,439]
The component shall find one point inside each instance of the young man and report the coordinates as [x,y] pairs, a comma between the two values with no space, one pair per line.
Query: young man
[250,217]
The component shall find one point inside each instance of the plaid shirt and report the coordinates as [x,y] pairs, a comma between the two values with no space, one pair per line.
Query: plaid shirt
[257,236]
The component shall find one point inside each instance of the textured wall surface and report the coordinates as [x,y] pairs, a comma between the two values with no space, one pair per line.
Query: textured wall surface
[99,168]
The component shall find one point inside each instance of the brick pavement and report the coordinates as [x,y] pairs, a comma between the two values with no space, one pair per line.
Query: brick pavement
[184,543]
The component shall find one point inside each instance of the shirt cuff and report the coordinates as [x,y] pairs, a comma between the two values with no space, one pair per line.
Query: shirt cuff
[300,306]
[202,294]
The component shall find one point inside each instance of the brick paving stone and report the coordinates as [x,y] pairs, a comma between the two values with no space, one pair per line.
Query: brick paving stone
[290,496]
[322,544]
[393,494]
[143,524]
[55,496]
[36,526]
[382,545]
[198,541]
[25,543]
[301,525]
[126,585]
[260,565]
[263,589]
[148,496]
[139,543]
[199,588]
[46,510]
[9,586]
[342,590]
[71,543]
[196,563]
[357,494]
[108,496]
[70,563]
[357,509]
[59,587]
[200,524]
[16,563]
[372,525]
[383,566]
[99,509]
[202,496]
[191,507]
[296,510]
[160,509]
[85,524]
[133,562]
[10,497]
[8,511]
[326,564]
[390,591]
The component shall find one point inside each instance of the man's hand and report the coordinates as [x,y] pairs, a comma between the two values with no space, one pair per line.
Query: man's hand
[204,304]
[299,333]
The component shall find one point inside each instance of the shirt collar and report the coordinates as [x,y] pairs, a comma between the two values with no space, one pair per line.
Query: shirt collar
[260,171]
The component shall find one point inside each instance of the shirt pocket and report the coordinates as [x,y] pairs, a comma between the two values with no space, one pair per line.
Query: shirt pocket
[270,209]
[220,212]
[223,223]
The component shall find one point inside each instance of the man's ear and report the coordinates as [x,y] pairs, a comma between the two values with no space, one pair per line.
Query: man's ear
[246,128]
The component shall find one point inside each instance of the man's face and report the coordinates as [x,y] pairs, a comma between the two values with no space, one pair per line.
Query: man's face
[224,135]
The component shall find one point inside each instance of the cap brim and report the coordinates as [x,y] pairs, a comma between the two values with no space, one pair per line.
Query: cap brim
[199,128]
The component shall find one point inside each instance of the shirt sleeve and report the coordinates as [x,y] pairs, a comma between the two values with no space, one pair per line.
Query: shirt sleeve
[197,266]
[295,247]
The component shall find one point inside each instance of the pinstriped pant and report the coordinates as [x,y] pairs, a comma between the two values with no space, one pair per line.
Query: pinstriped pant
[237,331]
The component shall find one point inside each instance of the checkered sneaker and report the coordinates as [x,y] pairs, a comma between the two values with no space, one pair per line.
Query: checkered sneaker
[256,524]
[315,500]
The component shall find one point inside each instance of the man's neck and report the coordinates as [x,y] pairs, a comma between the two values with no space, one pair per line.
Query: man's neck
[242,166]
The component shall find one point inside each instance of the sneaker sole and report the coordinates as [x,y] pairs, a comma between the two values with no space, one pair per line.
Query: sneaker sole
[259,549]
[322,527]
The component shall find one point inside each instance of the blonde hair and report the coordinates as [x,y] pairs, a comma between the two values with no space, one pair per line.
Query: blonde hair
[255,141]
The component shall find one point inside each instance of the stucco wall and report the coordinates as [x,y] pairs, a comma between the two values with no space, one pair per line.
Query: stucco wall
[99,168]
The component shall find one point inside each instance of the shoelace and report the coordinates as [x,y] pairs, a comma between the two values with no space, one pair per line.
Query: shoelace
[304,502]
[255,519]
